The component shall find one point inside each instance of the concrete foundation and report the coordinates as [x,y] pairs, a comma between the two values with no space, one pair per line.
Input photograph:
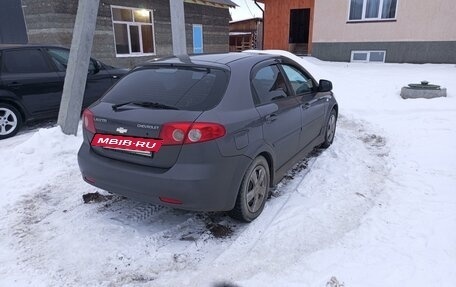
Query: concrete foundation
[396,52]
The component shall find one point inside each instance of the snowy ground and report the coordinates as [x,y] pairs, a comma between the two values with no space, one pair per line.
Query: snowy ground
[378,208]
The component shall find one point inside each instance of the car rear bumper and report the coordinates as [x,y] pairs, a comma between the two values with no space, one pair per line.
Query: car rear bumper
[201,187]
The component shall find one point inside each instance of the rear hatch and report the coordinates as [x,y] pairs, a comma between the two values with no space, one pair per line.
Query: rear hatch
[150,98]
[142,123]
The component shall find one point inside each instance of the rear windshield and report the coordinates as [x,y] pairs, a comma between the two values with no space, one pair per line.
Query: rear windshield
[187,88]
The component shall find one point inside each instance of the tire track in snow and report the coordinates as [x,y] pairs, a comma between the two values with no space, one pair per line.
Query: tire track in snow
[313,212]
[31,228]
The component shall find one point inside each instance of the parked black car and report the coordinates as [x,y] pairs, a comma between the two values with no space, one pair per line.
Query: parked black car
[31,83]
[207,132]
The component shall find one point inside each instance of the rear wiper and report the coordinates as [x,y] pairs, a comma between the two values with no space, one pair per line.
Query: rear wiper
[145,104]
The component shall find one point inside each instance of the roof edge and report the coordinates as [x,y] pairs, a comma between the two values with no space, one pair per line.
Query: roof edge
[213,3]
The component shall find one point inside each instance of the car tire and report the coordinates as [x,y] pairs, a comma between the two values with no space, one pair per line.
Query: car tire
[253,192]
[330,129]
[10,121]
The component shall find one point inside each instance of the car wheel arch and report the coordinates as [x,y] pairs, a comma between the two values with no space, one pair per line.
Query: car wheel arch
[336,108]
[16,106]
[247,209]
[270,162]
[329,129]
[263,149]
[11,120]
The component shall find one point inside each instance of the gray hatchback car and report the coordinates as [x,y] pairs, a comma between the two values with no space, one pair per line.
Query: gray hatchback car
[206,132]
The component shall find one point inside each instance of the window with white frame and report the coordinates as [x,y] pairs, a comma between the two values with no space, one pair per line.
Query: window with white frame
[368,56]
[368,10]
[133,31]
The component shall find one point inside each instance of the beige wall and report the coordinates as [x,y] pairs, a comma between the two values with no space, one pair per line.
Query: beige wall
[417,20]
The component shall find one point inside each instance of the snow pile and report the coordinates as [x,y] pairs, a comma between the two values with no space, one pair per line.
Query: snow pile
[46,155]
[375,209]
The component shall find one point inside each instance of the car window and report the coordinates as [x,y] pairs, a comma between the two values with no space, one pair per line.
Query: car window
[269,84]
[300,83]
[187,88]
[24,61]
[60,58]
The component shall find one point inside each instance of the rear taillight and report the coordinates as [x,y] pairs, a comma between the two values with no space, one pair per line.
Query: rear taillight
[88,122]
[201,132]
[187,132]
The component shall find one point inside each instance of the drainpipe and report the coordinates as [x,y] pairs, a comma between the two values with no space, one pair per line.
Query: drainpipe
[262,30]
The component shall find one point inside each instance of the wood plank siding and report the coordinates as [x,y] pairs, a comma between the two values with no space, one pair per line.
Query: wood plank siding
[246,34]
[277,22]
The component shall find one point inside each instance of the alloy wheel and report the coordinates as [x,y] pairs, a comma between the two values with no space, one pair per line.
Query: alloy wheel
[256,189]
[8,121]
[331,129]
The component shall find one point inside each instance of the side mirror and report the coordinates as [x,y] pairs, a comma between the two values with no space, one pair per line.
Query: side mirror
[94,66]
[325,86]
[98,65]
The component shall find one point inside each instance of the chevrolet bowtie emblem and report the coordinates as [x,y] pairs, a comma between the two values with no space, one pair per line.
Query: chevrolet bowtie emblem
[121,130]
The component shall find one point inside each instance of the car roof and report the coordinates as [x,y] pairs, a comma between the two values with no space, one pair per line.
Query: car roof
[15,46]
[216,59]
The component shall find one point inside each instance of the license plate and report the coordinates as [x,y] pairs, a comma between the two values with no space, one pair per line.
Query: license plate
[126,143]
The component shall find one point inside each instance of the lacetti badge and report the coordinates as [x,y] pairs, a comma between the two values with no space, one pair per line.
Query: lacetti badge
[126,143]
[121,130]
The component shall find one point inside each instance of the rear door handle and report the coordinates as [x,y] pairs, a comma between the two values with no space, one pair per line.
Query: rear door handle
[305,106]
[270,118]
[14,84]
[115,77]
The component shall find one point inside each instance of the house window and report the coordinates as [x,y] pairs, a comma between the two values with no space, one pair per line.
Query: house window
[368,56]
[366,10]
[133,31]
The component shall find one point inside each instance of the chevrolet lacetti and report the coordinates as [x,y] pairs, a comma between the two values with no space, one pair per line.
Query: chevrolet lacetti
[206,132]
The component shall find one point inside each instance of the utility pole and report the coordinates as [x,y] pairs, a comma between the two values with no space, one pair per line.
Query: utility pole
[78,65]
[178,27]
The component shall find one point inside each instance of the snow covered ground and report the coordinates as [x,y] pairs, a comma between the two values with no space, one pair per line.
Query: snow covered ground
[378,208]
